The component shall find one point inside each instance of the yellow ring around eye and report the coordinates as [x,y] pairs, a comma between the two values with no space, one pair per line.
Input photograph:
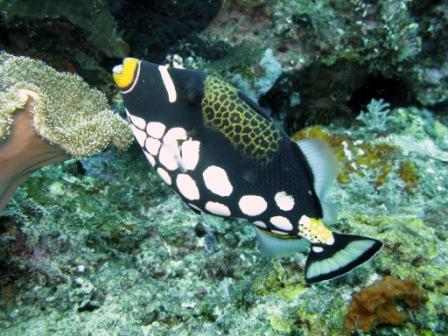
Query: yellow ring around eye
[124,74]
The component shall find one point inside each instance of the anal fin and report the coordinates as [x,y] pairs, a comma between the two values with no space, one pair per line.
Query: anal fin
[273,247]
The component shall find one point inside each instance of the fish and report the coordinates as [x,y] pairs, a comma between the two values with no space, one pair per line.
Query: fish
[224,155]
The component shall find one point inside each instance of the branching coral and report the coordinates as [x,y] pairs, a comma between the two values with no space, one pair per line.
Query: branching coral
[376,116]
[47,116]
[377,304]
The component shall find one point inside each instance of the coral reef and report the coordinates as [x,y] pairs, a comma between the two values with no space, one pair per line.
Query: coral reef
[428,76]
[47,116]
[362,157]
[154,28]
[99,245]
[88,37]
[336,54]
[340,54]
[93,18]
[376,304]
[120,254]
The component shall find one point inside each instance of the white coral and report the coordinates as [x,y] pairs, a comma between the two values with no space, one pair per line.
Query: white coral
[376,116]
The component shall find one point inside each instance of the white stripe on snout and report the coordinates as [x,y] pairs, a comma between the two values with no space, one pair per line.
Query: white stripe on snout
[168,82]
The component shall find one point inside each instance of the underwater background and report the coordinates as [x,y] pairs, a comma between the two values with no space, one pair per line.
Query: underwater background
[97,244]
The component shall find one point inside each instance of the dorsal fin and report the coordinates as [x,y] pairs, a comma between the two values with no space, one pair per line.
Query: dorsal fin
[273,247]
[324,167]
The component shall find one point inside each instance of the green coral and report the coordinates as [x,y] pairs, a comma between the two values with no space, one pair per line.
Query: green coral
[286,286]
[280,325]
[66,111]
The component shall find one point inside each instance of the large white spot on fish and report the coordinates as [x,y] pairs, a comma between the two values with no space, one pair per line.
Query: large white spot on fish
[150,158]
[281,223]
[168,82]
[216,181]
[284,201]
[317,249]
[155,129]
[217,208]
[252,205]
[168,158]
[152,146]
[187,187]
[174,134]
[260,224]
[164,175]
[190,154]
[139,135]
[137,121]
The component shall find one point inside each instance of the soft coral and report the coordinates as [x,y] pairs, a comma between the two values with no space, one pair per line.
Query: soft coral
[376,304]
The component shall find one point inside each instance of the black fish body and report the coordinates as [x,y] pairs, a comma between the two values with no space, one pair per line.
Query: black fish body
[224,156]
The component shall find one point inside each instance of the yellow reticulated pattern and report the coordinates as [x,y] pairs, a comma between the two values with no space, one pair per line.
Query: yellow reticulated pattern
[249,132]
[314,230]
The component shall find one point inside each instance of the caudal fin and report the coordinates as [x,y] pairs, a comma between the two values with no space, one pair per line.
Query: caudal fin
[329,261]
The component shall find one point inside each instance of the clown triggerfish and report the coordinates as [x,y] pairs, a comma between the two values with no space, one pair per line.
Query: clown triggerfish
[224,156]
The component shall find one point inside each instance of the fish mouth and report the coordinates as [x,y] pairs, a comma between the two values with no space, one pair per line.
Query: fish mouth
[125,74]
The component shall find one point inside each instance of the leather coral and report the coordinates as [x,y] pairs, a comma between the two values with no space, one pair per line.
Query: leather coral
[47,116]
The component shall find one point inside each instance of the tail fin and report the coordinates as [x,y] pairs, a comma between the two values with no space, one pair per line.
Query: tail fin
[330,261]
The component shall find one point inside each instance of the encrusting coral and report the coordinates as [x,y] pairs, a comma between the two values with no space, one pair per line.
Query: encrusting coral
[377,304]
[47,116]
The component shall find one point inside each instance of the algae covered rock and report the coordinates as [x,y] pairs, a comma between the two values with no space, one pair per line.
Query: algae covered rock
[340,54]
[93,18]
[121,255]
[47,116]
